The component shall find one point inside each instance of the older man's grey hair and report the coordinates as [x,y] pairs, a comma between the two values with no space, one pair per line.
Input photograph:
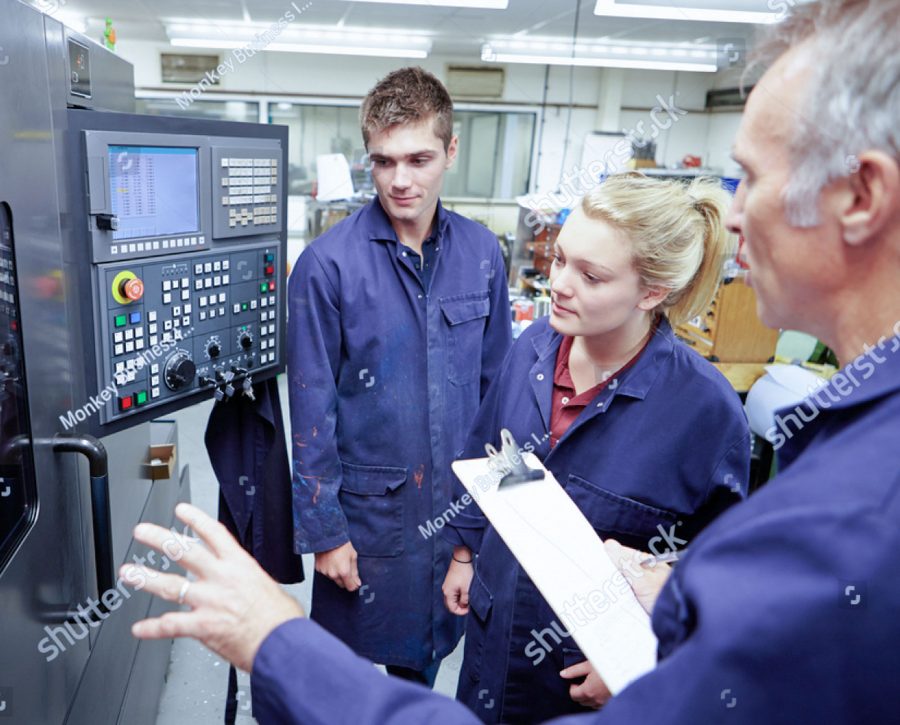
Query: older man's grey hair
[852,102]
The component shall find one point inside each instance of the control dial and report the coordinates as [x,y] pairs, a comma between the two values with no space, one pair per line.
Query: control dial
[213,347]
[180,370]
[246,340]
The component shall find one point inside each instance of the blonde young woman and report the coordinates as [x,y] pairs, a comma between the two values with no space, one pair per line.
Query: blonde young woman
[646,436]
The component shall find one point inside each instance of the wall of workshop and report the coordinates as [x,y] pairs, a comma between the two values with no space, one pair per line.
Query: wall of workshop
[564,128]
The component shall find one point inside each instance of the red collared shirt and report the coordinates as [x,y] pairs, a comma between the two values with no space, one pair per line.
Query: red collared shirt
[567,406]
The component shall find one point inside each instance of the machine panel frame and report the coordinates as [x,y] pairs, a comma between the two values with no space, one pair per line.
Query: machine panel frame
[88,135]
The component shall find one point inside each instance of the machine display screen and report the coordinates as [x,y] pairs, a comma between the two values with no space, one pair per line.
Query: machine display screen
[154,190]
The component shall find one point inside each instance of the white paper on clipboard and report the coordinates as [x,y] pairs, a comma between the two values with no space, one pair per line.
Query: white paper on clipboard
[566,560]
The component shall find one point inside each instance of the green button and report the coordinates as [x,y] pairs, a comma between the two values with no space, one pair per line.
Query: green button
[264,287]
[244,306]
[270,257]
[141,397]
[121,320]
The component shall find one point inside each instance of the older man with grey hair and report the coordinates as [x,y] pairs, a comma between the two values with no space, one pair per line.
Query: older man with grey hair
[785,610]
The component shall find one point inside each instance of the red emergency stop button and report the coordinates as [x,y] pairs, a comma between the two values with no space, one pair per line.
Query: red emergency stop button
[132,289]
[270,270]
[126,403]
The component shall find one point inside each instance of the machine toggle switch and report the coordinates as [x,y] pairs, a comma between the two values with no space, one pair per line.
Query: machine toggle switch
[248,387]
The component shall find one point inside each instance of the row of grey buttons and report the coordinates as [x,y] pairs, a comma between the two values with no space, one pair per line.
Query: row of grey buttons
[155,246]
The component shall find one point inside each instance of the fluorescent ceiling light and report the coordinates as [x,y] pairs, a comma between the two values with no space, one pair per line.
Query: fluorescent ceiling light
[611,8]
[349,50]
[480,4]
[303,48]
[619,54]
[300,39]
[604,62]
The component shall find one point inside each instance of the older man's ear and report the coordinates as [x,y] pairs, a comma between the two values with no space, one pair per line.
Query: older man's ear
[869,199]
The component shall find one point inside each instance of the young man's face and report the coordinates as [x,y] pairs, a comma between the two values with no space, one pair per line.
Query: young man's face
[408,167]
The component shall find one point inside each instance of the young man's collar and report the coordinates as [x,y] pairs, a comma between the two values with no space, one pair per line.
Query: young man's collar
[381,229]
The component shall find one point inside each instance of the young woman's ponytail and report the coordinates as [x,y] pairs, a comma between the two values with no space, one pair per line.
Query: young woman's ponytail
[678,234]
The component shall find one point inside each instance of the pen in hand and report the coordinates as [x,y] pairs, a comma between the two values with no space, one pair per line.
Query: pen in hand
[666,558]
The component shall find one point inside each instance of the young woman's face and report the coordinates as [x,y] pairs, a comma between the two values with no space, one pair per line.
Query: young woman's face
[594,286]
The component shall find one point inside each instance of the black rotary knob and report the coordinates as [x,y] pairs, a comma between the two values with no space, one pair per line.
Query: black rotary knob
[180,371]
[214,349]
[246,340]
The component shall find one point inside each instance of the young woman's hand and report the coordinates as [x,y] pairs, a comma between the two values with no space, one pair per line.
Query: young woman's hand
[457,582]
[593,692]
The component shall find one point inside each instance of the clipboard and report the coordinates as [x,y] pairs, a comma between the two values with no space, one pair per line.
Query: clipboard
[566,560]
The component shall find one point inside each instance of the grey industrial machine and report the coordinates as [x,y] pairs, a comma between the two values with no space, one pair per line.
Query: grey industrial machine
[141,270]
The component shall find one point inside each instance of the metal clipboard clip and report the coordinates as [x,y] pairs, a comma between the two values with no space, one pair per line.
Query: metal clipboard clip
[505,460]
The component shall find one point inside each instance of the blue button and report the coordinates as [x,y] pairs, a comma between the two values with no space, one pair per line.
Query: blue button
[134,318]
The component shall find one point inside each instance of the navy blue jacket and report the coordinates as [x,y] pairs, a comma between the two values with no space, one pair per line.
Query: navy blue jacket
[784,611]
[656,456]
[386,377]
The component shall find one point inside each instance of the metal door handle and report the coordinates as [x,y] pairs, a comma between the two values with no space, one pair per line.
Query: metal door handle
[98,462]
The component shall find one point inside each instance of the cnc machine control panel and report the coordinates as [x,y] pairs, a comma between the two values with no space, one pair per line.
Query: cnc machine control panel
[187,239]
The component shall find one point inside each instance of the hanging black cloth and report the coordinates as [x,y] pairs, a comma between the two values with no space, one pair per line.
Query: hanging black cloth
[245,440]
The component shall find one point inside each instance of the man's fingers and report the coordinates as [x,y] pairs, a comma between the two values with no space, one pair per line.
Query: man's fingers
[620,553]
[616,552]
[187,553]
[625,558]
[351,582]
[166,586]
[210,531]
[170,625]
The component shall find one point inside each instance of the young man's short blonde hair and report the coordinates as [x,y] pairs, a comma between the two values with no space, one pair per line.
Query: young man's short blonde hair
[408,96]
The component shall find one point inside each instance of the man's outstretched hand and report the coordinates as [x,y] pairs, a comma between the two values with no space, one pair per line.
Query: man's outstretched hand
[234,605]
